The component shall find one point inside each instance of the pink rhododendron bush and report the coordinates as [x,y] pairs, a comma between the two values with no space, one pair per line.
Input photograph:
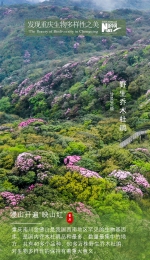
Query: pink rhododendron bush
[82,208]
[28,163]
[11,198]
[133,184]
[29,121]
[71,160]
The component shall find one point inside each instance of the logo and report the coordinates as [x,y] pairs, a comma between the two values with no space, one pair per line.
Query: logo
[110,26]
[69,217]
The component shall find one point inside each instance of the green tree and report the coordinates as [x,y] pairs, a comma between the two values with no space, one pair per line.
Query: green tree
[38,103]
[5,104]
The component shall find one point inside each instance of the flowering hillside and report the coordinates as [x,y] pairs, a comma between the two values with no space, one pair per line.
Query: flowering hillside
[66,104]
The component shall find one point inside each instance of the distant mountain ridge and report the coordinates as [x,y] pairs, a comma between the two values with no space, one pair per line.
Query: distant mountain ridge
[12,2]
[107,5]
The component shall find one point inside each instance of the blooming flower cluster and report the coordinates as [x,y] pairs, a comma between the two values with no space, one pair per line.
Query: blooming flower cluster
[71,160]
[81,37]
[92,60]
[26,54]
[25,91]
[76,45]
[47,77]
[22,90]
[66,65]
[105,80]
[120,174]
[104,40]
[26,161]
[68,110]
[74,64]
[58,99]
[32,186]
[12,199]
[139,19]
[67,75]
[27,57]
[8,11]
[112,47]
[41,176]
[70,16]
[24,82]
[138,42]
[109,76]
[67,95]
[29,121]
[140,180]
[128,30]
[132,182]
[81,208]
[144,150]
[131,189]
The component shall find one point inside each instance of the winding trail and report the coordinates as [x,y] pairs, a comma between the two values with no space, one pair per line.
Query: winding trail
[132,137]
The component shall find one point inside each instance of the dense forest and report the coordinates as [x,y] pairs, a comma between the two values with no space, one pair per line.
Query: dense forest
[61,127]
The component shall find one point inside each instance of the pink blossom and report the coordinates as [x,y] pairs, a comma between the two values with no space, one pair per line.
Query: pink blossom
[27,54]
[67,95]
[76,45]
[8,11]
[119,174]
[105,80]
[71,160]
[26,161]
[104,40]
[41,176]
[140,180]
[137,181]
[81,36]
[138,19]
[47,77]
[128,30]
[37,158]
[109,74]
[74,64]
[92,60]
[11,198]
[129,188]
[68,110]
[29,121]
[144,150]
[81,208]
[114,77]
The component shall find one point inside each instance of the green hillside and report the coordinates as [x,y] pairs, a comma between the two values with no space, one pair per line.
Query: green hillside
[64,110]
